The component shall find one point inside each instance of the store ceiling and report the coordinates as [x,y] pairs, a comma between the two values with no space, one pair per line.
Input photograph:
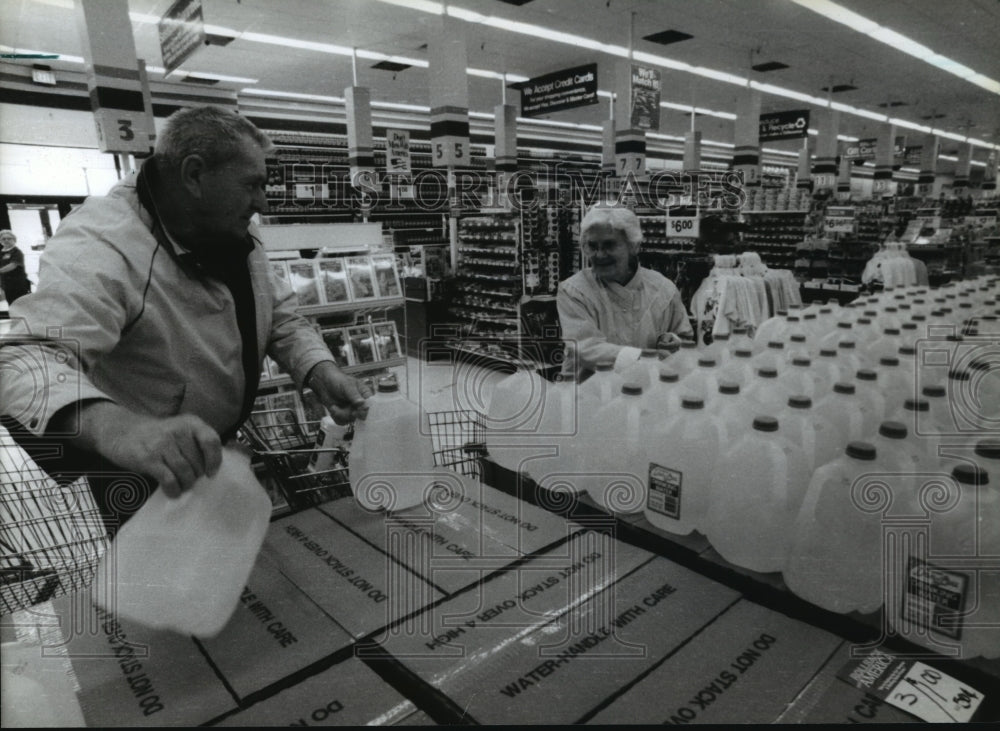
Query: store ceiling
[727,35]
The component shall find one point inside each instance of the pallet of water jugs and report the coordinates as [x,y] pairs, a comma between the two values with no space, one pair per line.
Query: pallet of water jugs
[855,449]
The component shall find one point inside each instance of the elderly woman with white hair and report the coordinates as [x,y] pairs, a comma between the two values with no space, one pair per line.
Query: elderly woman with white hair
[615,308]
[13,279]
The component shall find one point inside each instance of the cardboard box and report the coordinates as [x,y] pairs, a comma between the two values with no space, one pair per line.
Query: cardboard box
[128,674]
[355,583]
[347,694]
[274,632]
[744,667]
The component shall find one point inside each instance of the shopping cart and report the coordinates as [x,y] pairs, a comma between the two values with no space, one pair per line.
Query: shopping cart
[287,448]
[51,536]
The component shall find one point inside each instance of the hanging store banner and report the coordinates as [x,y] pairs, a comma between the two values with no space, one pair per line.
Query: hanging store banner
[784,125]
[645,98]
[862,149]
[567,89]
[913,154]
[397,151]
[899,150]
[182,32]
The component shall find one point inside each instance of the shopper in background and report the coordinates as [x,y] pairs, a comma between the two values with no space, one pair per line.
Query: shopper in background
[154,309]
[13,278]
[614,309]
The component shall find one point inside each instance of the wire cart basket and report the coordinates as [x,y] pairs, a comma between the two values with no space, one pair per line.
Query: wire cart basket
[52,536]
[309,474]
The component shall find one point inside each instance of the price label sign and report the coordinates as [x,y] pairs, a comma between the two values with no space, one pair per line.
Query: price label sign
[684,227]
[121,131]
[914,687]
[881,186]
[823,181]
[989,220]
[839,224]
[450,151]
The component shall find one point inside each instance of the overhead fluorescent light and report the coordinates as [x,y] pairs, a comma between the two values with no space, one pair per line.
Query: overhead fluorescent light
[217,77]
[670,138]
[889,37]
[774,151]
[401,107]
[949,158]
[909,170]
[718,144]
[552,123]
[982,143]
[293,95]
[949,135]
[789,93]
[847,138]
[909,125]
[978,163]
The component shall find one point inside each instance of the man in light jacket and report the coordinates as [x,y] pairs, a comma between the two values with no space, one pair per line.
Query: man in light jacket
[142,346]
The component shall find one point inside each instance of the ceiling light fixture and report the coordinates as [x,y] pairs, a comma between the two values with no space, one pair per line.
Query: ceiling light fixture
[889,37]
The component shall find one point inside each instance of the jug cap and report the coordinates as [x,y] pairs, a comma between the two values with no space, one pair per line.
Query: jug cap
[767,372]
[892,429]
[776,344]
[809,315]
[891,331]
[729,387]
[889,361]
[988,448]
[800,402]
[388,384]
[861,450]
[706,362]
[825,310]
[782,312]
[765,423]
[722,336]
[934,391]
[866,374]
[604,365]
[972,331]
[907,350]
[965,305]
[954,338]
[688,344]
[743,353]
[792,318]
[649,353]
[970,474]
[842,387]
[669,376]
[798,338]
[919,317]
[800,361]
[864,321]
[957,374]
[844,325]
[980,364]
[908,326]
[912,404]
[631,388]
[740,330]
[846,344]
[692,402]
[905,306]
[828,352]
[890,308]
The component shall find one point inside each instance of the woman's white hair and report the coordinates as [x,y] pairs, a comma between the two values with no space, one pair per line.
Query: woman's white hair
[619,219]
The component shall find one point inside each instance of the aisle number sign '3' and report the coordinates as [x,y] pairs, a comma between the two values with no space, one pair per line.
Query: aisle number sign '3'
[122,131]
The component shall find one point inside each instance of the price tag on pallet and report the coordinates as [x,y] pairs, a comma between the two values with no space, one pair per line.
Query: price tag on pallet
[914,687]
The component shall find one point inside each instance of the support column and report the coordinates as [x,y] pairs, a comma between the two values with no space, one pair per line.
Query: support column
[360,152]
[803,180]
[928,165]
[884,154]
[449,93]
[990,173]
[630,143]
[746,155]
[824,168]
[844,173]
[692,150]
[608,147]
[962,168]
[113,77]
[505,140]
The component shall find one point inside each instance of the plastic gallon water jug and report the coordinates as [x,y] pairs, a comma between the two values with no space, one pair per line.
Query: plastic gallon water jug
[773,356]
[739,368]
[799,378]
[617,460]
[773,328]
[865,332]
[767,392]
[923,447]
[181,563]
[939,601]
[870,391]
[392,455]
[645,371]
[842,408]
[604,384]
[681,457]
[739,339]
[717,350]
[685,359]
[665,395]
[734,413]
[703,381]
[832,338]
[814,435]
[827,370]
[850,357]
[798,345]
[757,488]
[894,383]
[557,461]
[835,561]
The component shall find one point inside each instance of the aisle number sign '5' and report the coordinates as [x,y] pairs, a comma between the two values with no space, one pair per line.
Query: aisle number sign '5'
[450,151]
